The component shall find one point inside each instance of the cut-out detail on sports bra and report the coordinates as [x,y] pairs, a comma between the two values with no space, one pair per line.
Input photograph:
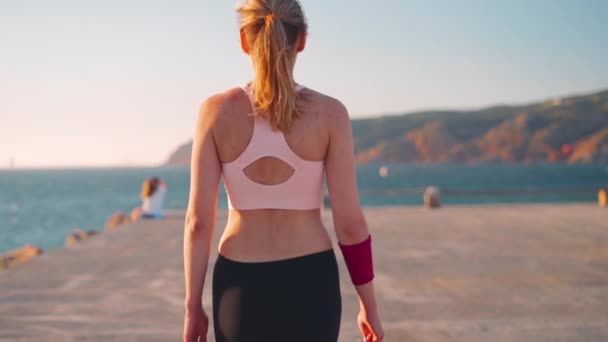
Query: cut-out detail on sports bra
[280,170]
[302,191]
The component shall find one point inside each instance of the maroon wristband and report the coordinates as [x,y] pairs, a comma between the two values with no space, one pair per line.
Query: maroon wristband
[358,259]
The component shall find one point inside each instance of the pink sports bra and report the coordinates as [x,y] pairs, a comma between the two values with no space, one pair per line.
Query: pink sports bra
[303,191]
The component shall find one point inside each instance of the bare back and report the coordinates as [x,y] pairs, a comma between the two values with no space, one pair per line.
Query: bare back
[273,234]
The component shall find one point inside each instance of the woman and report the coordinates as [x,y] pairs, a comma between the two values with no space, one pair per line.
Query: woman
[276,276]
[153,192]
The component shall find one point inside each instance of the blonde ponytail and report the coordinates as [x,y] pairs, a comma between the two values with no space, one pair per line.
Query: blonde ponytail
[272,29]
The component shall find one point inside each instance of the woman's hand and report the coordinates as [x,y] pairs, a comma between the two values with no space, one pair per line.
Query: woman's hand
[196,325]
[370,326]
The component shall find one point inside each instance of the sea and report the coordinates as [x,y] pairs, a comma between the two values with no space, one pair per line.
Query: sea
[42,207]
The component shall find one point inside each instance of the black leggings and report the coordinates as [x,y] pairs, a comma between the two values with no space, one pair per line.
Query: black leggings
[295,299]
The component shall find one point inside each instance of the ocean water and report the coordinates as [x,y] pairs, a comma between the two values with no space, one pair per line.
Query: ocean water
[42,207]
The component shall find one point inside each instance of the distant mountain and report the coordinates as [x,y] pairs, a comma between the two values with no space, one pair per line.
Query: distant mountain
[570,130]
[181,155]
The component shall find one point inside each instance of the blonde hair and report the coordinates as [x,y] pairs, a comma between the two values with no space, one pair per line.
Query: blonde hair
[272,29]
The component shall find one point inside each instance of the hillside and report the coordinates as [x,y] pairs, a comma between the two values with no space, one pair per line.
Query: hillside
[571,129]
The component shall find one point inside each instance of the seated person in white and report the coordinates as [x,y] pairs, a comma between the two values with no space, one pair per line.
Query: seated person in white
[153,197]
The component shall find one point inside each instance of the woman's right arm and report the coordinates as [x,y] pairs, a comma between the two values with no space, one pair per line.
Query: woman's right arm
[200,218]
[349,222]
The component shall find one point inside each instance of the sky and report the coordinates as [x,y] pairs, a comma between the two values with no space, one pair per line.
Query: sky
[119,82]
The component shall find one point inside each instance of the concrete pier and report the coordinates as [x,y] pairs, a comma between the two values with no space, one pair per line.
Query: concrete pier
[482,273]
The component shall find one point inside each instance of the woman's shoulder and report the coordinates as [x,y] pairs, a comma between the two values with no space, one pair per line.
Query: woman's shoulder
[220,105]
[223,100]
[322,98]
[332,108]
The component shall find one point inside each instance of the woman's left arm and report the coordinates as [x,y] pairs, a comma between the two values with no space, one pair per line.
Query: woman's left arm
[201,213]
